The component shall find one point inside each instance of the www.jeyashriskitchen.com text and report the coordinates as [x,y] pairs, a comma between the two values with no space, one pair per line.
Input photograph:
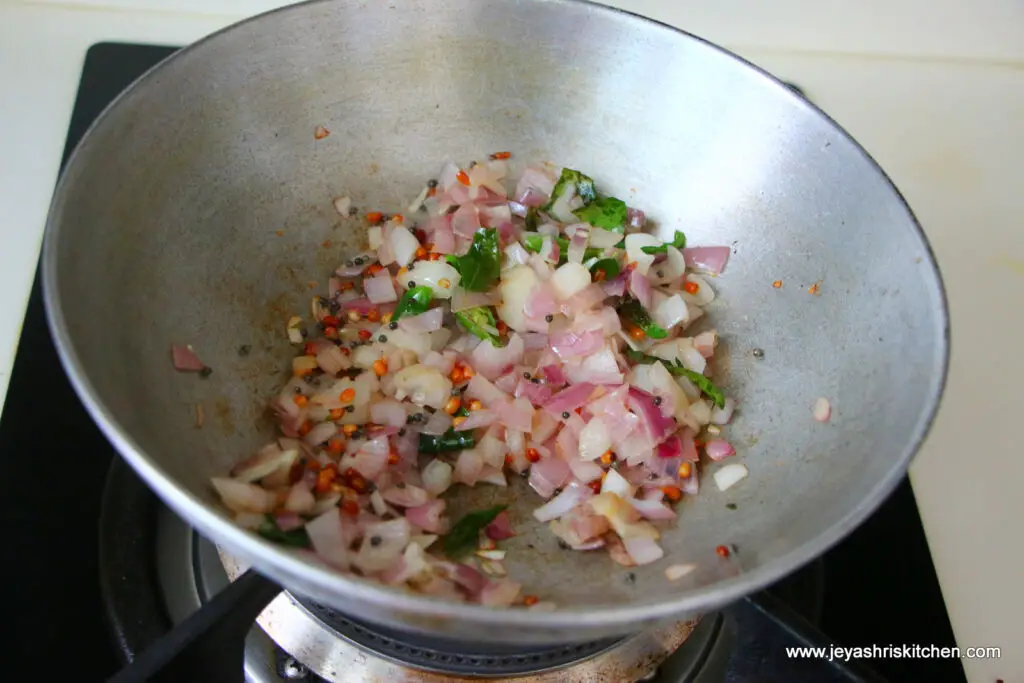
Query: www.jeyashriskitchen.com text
[844,654]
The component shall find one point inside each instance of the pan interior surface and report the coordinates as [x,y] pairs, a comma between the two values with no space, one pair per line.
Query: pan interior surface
[198,210]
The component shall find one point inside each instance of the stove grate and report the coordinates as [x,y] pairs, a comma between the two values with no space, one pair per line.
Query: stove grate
[442,655]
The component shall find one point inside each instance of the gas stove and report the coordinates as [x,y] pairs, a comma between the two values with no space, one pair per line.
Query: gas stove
[100,569]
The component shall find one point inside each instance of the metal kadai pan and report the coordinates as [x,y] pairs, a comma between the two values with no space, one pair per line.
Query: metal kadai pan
[164,229]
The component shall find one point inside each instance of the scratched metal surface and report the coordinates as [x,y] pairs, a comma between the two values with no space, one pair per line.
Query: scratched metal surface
[197,209]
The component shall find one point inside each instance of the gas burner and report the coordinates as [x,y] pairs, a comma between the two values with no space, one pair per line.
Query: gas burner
[340,649]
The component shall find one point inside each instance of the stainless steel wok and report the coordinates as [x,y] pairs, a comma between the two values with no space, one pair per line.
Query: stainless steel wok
[195,211]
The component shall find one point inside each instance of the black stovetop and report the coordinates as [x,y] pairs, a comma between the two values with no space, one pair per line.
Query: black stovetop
[880,585]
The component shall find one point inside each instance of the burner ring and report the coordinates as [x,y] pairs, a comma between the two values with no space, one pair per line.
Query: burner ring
[441,655]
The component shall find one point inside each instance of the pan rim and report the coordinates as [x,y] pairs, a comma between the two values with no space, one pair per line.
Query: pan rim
[290,569]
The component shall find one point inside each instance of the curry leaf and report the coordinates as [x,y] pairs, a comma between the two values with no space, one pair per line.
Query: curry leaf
[415,301]
[607,213]
[446,443]
[465,534]
[296,538]
[679,242]
[573,181]
[480,267]
[608,266]
[700,381]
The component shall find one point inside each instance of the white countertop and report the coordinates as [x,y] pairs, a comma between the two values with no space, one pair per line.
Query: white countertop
[933,89]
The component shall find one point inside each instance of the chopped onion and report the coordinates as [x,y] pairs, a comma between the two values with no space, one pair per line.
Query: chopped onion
[423,385]
[360,305]
[653,510]
[466,221]
[463,300]
[602,239]
[711,259]
[616,286]
[491,396]
[478,419]
[501,528]
[570,344]
[635,253]
[186,360]
[721,416]
[388,412]
[643,550]
[342,205]
[705,343]
[507,382]
[268,460]
[496,555]
[671,312]
[539,304]
[405,495]
[578,244]
[428,516]
[672,269]
[640,287]
[327,536]
[242,497]
[595,439]
[500,593]
[383,543]
[539,181]
[300,499]
[719,449]
[430,321]
[331,360]
[443,237]
[585,471]
[573,494]
[569,399]
[515,288]
[597,368]
[569,279]
[635,218]
[437,477]
[516,254]
[467,577]
[728,476]
[288,521]
[403,244]
[320,433]
[642,403]
[493,475]
[380,290]
[518,209]
[439,423]
[701,412]
[678,571]
[581,303]
[536,393]
[434,274]
[492,361]
[614,482]
[702,297]
[468,467]
[547,475]
[822,409]
[518,416]
[498,215]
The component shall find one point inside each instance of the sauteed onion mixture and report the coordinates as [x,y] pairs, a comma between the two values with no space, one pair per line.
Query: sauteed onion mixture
[493,331]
